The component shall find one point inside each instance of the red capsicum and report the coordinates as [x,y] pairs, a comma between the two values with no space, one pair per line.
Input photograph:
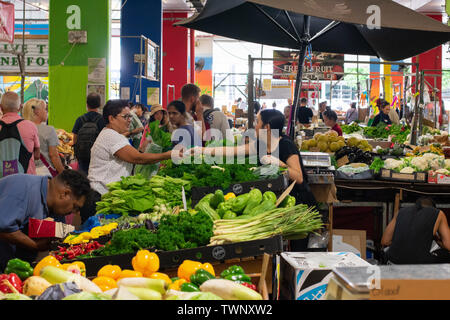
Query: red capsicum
[10,281]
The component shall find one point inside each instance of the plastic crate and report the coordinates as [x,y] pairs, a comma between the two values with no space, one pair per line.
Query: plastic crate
[277,185]
[172,259]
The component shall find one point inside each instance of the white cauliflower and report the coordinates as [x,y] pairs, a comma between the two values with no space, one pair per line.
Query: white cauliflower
[407,170]
[447,164]
[435,161]
[391,164]
[421,163]
[443,171]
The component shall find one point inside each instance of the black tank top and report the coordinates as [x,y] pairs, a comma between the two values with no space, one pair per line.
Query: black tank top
[413,236]
[285,149]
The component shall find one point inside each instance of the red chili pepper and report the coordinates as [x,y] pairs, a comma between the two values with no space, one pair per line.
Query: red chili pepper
[249,285]
[13,280]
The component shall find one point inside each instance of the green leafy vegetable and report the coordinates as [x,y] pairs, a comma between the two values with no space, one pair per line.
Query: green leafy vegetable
[377,165]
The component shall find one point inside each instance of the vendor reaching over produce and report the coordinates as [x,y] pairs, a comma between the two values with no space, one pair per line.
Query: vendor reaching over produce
[112,156]
[25,196]
[330,119]
[277,144]
[383,116]
[410,235]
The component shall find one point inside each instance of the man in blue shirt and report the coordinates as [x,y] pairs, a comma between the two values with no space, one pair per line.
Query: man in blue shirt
[25,196]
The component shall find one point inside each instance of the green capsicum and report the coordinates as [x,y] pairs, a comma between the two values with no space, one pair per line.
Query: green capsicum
[229,215]
[200,277]
[269,195]
[255,199]
[288,202]
[189,287]
[22,268]
[239,203]
[233,270]
[223,208]
[217,199]
[239,278]
[207,198]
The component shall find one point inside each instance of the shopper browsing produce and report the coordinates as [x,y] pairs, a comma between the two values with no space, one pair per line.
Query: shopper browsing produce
[383,116]
[214,118]
[304,114]
[86,130]
[50,164]
[410,235]
[352,114]
[330,119]
[185,133]
[14,129]
[190,96]
[157,113]
[112,156]
[25,196]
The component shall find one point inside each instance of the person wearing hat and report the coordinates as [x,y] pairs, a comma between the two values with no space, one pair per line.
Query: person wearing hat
[158,113]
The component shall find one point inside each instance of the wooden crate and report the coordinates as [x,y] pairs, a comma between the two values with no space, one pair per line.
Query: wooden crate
[258,268]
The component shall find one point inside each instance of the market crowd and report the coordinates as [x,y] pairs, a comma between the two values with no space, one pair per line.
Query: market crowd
[111,140]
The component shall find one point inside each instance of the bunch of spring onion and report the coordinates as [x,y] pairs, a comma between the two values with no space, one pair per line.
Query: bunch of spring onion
[292,223]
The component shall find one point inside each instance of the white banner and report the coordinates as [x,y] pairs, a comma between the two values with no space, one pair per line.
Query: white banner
[36,56]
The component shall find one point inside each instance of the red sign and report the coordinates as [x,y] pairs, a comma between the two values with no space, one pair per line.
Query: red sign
[6,22]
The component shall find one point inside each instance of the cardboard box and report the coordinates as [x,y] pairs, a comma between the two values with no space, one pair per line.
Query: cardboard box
[305,275]
[392,282]
[48,229]
[437,178]
[350,241]
[326,193]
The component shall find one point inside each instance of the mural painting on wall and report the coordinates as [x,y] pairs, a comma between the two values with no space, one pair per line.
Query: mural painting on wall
[203,65]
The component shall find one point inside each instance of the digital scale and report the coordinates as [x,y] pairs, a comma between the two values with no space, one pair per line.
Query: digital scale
[318,167]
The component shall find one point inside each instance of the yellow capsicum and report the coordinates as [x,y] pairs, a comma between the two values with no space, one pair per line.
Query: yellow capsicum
[187,269]
[47,261]
[130,274]
[146,262]
[177,284]
[162,276]
[208,267]
[105,283]
[110,271]
[77,265]
[229,196]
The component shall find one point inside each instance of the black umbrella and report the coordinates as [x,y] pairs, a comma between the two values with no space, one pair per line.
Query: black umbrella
[386,29]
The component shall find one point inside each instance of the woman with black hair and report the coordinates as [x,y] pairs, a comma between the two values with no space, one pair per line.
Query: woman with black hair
[112,156]
[330,119]
[383,116]
[184,134]
[271,145]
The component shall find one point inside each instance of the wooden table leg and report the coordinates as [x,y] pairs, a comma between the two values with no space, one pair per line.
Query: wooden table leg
[330,227]
[396,204]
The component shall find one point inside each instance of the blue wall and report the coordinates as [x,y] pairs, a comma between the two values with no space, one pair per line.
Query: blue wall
[139,18]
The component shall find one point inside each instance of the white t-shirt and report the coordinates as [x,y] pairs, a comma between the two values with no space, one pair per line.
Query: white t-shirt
[104,167]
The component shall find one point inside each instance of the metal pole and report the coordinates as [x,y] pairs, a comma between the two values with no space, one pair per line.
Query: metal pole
[422,89]
[251,97]
[297,91]
[140,72]
[22,59]
[298,83]
[416,110]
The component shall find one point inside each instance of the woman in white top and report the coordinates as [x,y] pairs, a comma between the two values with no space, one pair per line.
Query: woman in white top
[50,164]
[112,156]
